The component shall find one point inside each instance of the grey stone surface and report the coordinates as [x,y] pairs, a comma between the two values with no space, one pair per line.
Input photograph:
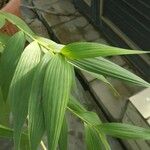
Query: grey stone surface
[88,77]
[132,116]
[90,34]
[141,102]
[113,106]
[118,60]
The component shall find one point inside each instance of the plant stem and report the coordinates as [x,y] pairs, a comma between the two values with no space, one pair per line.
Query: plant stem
[43,145]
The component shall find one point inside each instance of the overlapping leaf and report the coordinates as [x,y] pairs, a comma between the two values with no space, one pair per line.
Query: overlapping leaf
[56,90]
[80,50]
[104,67]
[9,60]
[92,139]
[126,131]
[63,139]
[21,86]
[36,116]
[88,117]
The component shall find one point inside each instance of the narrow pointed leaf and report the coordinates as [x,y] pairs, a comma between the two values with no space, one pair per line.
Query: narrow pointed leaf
[80,50]
[63,139]
[107,68]
[88,117]
[17,21]
[36,116]
[21,86]
[9,60]
[92,139]
[56,90]
[125,131]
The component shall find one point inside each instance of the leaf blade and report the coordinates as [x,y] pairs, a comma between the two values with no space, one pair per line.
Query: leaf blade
[9,60]
[63,139]
[120,130]
[36,116]
[55,97]
[20,87]
[80,50]
[92,139]
[104,67]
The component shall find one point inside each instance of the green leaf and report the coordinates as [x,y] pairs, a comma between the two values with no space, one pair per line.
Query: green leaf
[9,60]
[125,131]
[2,22]
[4,111]
[88,117]
[92,139]
[18,22]
[80,50]
[6,132]
[36,116]
[21,86]
[63,139]
[104,67]
[56,90]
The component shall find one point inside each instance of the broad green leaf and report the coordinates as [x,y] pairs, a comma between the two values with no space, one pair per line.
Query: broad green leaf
[104,67]
[80,50]
[18,22]
[63,139]
[36,116]
[20,88]
[88,117]
[126,131]
[9,60]
[92,139]
[2,22]
[56,90]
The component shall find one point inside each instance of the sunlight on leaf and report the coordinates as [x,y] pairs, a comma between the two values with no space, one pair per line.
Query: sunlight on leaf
[21,86]
[80,50]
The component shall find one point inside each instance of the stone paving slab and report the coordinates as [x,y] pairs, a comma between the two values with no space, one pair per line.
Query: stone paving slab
[142,102]
[113,106]
[132,116]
